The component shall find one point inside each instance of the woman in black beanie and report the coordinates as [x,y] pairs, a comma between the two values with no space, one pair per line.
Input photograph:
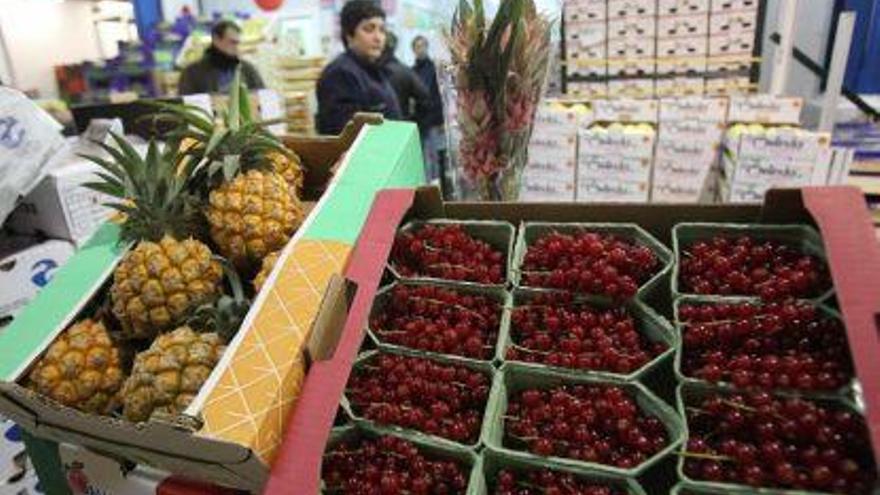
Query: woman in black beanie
[354,81]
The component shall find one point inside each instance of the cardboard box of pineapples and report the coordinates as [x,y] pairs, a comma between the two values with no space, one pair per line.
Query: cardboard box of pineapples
[130,342]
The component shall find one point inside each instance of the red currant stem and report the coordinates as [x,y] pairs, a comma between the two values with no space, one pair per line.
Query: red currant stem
[451,265]
[456,306]
[702,455]
[546,353]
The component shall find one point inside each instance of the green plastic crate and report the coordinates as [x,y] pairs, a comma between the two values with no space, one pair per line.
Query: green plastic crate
[461,454]
[494,461]
[800,236]
[366,357]
[691,391]
[529,232]
[514,377]
[498,294]
[845,392]
[499,235]
[652,325]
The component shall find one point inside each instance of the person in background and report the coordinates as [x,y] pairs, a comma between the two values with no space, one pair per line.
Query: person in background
[412,94]
[214,72]
[355,81]
[431,124]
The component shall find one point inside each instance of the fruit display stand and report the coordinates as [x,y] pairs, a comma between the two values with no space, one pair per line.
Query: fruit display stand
[232,429]
[837,213]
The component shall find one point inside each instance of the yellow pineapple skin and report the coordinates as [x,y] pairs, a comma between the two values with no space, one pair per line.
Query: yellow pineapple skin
[157,284]
[266,269]
[166,377]
[253,215]
[81,369]
[289,168]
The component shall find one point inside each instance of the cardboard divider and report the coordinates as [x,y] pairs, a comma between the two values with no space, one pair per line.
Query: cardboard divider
[648,324]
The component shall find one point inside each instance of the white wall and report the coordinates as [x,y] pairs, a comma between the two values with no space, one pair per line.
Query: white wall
[812,29]
[43,33]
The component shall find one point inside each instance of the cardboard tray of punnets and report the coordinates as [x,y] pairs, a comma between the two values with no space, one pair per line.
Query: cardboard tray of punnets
[839,213]
[232,429]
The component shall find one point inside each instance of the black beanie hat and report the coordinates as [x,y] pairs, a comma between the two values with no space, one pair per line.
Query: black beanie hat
[356,11]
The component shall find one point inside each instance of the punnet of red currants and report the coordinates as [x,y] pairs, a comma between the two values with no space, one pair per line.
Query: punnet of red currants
[437,319]
[447,252]
[548,482]
[766,441]
[590,263]
[421,394]
[592,423]
[390,466]
[556,329]
[788,345]
[746,266]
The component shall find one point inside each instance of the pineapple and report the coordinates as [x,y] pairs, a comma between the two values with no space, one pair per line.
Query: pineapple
[81,369]
[249,178]
[168,274]
[166,377]
[265,270]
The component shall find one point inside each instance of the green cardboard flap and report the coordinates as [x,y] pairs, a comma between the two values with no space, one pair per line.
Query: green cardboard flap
[41,320]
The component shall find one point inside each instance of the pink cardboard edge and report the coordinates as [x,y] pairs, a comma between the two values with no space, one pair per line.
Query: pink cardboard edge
[299,459]
[854,257]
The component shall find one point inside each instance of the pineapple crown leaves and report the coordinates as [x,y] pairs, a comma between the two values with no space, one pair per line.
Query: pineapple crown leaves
[235,133]
[150,193]
[227,313]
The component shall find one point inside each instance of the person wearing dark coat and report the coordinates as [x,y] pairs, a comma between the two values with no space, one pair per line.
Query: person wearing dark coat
[425,68]
[355,81]
[215,70]
[412,94]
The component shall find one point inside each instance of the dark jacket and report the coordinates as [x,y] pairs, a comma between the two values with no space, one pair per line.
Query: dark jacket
[350,85]
[433,115]
[412,94]
[214,72]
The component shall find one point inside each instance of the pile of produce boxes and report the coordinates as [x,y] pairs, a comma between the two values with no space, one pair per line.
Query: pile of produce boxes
[522,348]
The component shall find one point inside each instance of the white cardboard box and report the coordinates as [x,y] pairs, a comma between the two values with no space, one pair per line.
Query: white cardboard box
[629,8]
[26,265]
[582,89]
[726,5]
[625,110]
[61,207]
[765,109]
[784,145]
[633,48]
[734,21]
[613,167]
[683,25]
[729,86]
[608,190]
[731,44]
[633,88]
[593,142]
[631,27]
[682,87]
[692,109]
[677,7]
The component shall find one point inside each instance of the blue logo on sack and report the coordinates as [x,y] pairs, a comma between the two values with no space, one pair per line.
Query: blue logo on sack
[13,434]
[43,271]
[11,136]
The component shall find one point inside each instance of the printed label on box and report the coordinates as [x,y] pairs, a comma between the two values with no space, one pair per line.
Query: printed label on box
[614,143]
[704,133]
[629,8]
[680,170]
[673,191]
[678,147]
[717,6]
[777,173]
[784,145]
[765,109]
[625,110]
[690,110]
[688,25]
[546,189]
[632,27]
[676,7]
[679,87]
[598,190]
[610,167]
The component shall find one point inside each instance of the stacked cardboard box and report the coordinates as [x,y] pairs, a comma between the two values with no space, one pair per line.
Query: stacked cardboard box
[682,46]
[586,32]
[632,47]
[689,138]
[550,173]
[732,28]
[617,167]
